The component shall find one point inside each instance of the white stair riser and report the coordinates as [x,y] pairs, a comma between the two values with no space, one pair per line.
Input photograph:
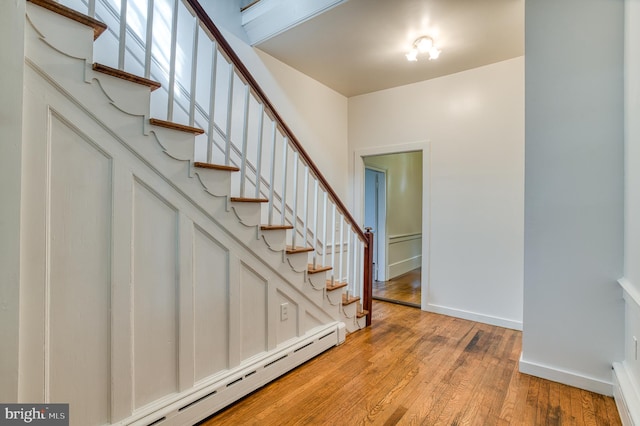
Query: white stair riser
[318,280]
[275,238]
[298,261]
[247,213]
[133,100]
[215,182]
[178,145]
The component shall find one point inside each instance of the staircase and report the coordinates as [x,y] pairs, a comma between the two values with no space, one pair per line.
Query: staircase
[162,284]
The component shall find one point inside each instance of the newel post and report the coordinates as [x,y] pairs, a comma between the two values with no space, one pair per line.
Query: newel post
[367,291]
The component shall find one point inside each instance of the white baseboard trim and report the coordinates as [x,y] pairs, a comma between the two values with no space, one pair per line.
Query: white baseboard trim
[566,377]
[473,316]
[626,395]
[402,267]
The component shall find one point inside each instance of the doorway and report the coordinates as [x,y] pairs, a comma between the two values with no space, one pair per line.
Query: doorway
[375,217]
[393,209]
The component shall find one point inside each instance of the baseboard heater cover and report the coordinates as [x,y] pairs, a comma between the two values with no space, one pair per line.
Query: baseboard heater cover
[210,397]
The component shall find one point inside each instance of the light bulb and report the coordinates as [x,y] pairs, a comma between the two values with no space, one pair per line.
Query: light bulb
[412,56]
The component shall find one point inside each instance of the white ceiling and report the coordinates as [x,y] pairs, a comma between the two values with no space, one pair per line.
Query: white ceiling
[358,46]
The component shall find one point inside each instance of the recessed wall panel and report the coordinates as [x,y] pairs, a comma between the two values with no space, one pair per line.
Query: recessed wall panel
[254,312]
[211,301]
[79,274]
[155,278]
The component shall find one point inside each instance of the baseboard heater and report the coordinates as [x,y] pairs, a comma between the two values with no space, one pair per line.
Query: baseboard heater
[208,398]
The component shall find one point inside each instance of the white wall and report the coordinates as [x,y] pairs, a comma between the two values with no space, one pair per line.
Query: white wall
[632,145]
[316,114]
[474,121]
[573,311]
[12,61]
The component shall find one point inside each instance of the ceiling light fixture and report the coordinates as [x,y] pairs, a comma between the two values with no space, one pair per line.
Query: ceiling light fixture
[423,44]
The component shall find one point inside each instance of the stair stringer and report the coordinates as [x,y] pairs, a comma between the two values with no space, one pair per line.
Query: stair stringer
[67,114]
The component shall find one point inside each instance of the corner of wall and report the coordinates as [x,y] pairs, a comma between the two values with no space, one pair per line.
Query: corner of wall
[566,377]
[625,395]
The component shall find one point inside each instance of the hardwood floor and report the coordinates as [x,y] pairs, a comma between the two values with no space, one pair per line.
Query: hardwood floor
[414,367]
[405,289]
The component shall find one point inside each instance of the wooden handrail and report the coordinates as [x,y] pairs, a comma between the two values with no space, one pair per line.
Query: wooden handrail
[224,45]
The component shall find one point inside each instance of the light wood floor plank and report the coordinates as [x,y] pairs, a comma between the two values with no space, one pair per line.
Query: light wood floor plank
[418,368]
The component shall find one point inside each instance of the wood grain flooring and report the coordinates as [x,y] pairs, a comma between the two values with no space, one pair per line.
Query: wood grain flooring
[412,367]
[404,289]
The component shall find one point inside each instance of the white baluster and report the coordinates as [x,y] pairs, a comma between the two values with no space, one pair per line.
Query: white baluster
[305,211]
[227,147]
[324,230]
[212,102]
[333,244]
[272,178]
[194,70]
[122,34]
[283,211]
[245,138]
[358,257]
[294,212]
[315,222]
[349,235]
[341,276]
[259,157]
[149,40]
[172,63]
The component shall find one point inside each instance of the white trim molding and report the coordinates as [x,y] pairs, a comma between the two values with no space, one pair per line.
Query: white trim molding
[626,395]
[409,248]
[566,377]
[393,239]
[626,388]
[631,294]
[473,316]
[268,18]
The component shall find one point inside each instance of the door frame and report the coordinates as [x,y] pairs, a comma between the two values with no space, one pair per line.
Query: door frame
[380,240]
[358,196]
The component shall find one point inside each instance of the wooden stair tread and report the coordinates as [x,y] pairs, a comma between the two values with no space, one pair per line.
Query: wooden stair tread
[114,72]
[210,166]
[294,250]
[175,126]
[336,285]
[248,200]
[349,300]
[275,227]
[98,27]
[362,313]
[318,269]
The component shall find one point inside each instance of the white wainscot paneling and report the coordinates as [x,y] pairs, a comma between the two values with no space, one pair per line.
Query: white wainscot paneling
[627,373]
[155,248]
[404,253]
[79,243]
[211,304]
